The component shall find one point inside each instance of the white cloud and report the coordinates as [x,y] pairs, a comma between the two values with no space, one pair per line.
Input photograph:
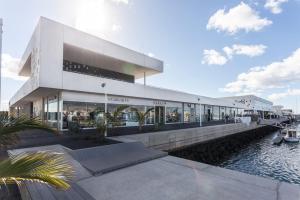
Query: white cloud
[213,57]
[247,50]
[289,92]
[275,5]
[241,17]
[116,28]
[10,67]
[275,75]
[121,1]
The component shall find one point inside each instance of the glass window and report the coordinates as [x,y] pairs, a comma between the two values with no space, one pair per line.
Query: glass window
[151,116]
[86,114]
[240,112]
[189,113]
[216,113]
[45,109]
[230,112]
[222,113]
[197,113]
[52,111]
[127,117]
[96,71]
[173,114]
[208,112]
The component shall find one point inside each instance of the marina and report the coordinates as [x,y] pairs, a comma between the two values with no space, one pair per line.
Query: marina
[105,100]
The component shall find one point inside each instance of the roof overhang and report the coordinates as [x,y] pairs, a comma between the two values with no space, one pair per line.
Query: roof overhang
[112,62]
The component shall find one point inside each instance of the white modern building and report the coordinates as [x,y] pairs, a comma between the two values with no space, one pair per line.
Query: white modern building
[253,105]
[287,112]
[277,109]
[72,74]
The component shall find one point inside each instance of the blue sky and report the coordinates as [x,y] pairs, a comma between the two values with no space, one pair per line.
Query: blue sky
[213,48]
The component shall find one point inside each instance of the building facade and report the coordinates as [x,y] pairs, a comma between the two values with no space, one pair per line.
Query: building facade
[254,105]
[75,76]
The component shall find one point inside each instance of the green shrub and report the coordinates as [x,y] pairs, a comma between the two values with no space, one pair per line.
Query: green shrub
[74,127]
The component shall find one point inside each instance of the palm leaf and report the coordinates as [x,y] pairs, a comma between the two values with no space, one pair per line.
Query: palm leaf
[141,116]
[9,126]
[49,168]
[113,118]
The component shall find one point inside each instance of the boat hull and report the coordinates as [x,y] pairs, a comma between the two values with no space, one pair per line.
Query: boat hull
[291,139]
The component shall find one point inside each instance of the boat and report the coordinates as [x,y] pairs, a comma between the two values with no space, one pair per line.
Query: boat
[284,131]
[277,139]
[291,135]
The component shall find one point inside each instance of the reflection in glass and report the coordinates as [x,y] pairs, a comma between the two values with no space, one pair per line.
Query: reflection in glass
[189,113]
[216,113]
[52,115]
[208,112]
[222,113]
[173,114]
[86,114]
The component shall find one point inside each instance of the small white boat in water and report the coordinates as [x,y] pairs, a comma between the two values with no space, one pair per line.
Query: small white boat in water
[277,139]
[291,135]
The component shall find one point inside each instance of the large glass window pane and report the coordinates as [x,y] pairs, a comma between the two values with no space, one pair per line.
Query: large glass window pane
[240,112]
[86,114]
[52,111]
[128,117]
[208,112]
[230,113]
[189,113]
[216,113]
[173,114]
[151,116]
[197,108]
[222,113]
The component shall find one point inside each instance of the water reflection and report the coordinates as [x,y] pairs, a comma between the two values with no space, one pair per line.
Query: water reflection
[281,162]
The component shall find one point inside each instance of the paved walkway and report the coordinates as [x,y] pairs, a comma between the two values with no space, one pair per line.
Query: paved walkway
[175,178]
[163,178]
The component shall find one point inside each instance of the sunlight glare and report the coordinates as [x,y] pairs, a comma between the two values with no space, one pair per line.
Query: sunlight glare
[93,17]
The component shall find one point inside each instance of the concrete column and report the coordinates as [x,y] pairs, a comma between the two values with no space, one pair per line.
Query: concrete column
[144,78]
[200,109]
[235,115]
[58,115]
[105,111]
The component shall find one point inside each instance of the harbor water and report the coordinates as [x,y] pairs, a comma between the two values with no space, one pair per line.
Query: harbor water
[262,158]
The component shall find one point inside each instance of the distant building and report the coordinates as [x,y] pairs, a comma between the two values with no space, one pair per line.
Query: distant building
[277,110]
[253,105]
[287,112]
[73,74]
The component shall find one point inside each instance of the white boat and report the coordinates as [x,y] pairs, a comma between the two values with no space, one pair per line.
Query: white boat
[291,135]
[284,131]
[277,139]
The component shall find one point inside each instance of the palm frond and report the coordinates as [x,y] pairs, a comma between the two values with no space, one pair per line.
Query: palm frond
[119,109]
[44,167]
[148,111]
[141,116]
[113,118]
[9,126]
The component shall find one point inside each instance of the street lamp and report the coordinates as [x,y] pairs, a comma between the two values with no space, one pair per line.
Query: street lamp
[105,107]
